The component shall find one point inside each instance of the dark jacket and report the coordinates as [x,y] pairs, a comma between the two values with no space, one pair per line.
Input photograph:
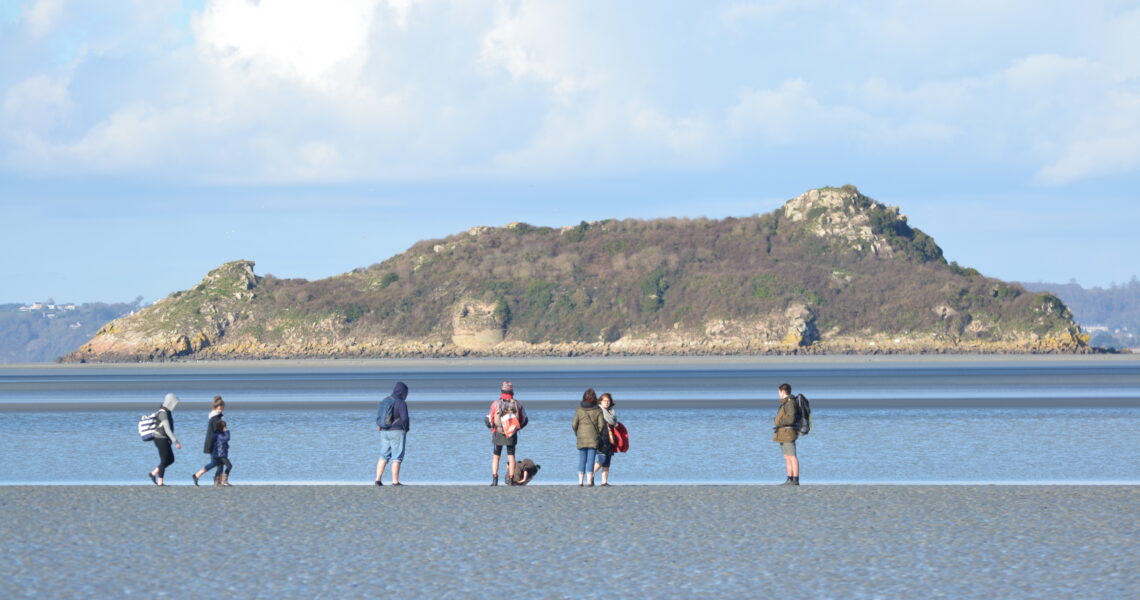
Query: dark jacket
[785,418]
[587,424]
[221,444]
[399,409]
[208,447]
[526,466]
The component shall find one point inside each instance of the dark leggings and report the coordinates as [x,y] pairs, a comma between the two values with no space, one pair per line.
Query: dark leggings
[165,455]
[219,463]
[499,451]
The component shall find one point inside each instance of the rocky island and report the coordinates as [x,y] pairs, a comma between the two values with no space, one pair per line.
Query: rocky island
[832,271]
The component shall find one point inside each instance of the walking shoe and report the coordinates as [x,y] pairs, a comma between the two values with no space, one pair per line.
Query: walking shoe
[399,484]
[788,481]
[153,479]
[795,481]
[195,477]
[494,480]
[378,483]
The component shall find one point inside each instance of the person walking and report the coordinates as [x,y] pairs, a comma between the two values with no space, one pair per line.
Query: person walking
[208,445]
[392,421]
[786,434]
[588,425]
[606,446]
[219,456]
[506,418]
[163,438]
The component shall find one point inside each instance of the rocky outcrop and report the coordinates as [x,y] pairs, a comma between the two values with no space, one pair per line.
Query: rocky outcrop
[832,271]
[182,324]
[475,326]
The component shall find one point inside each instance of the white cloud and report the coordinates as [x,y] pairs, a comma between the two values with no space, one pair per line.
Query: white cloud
[323,45]
[43,16]
[288,90]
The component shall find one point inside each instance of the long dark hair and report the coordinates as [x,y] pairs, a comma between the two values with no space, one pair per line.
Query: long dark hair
[607,395]
[589,397]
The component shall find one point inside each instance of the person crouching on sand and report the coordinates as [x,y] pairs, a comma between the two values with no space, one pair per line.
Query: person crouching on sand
[208,445]
[588,425]
[219,455]
[525,471]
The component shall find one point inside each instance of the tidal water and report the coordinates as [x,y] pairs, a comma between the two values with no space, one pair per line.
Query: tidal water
[916,420]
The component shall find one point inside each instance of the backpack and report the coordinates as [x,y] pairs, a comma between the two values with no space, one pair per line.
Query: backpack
[803,415]
[509,407]
[147,426]
[387,413]
[509,420]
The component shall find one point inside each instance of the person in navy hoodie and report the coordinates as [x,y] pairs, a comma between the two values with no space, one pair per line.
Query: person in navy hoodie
[392,421]
[219,456]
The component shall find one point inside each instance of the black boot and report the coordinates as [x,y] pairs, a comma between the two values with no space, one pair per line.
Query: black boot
[788,481]
[494,480]
[795,480]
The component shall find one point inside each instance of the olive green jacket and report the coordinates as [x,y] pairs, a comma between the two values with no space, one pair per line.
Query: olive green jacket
[587,424]
[785,418]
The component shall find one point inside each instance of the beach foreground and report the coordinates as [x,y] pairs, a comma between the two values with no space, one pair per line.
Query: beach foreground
[555,541]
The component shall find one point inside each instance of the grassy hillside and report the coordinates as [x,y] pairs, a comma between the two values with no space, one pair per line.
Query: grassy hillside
[832,270]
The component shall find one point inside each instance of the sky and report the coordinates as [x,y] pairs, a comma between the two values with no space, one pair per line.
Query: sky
[145,142]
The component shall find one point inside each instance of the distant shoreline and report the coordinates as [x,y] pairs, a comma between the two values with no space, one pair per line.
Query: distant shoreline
[592,362]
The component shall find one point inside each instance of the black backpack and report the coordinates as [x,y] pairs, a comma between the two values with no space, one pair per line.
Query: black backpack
[803,415]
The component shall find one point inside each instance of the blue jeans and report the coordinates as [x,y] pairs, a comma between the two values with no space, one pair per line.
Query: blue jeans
[586,459]
[219,463]
[392,444]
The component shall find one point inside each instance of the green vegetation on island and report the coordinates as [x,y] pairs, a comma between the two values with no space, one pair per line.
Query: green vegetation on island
[830,271]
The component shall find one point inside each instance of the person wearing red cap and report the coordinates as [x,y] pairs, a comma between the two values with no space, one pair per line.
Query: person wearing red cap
[506,418]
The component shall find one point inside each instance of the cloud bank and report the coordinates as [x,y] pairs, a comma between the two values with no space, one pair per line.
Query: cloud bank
[286,91]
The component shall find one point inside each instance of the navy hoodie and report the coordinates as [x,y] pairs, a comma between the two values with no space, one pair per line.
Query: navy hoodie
[399,408]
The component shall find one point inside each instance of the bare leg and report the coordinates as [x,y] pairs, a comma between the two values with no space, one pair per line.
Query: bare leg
[494,465]
[380,464]
[511,467]
[581,475]
[395,472]
[597,466]
[605,475]
[792,464]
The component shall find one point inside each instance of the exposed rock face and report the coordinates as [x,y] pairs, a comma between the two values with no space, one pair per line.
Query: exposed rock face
[839,214]
[475,326]
[832,271]
[181,324]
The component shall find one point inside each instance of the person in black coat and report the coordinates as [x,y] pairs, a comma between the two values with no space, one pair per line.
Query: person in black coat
[208,445]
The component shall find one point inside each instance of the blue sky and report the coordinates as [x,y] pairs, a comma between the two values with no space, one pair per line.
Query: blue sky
[144,143]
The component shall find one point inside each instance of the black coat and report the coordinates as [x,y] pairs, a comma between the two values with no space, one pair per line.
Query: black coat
[208,447]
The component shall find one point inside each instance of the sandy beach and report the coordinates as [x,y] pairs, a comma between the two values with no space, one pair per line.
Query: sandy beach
[555,541]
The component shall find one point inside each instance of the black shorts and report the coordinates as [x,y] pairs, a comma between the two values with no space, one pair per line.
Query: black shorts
[499,450]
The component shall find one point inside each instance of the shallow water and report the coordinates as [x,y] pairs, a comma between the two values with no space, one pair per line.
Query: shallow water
[694,422]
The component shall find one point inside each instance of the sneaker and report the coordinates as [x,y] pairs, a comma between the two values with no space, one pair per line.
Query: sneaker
[378,483]
[153,478]
[398,483]
[195,478]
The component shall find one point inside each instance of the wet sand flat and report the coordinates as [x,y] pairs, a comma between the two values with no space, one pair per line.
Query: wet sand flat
[560,541]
